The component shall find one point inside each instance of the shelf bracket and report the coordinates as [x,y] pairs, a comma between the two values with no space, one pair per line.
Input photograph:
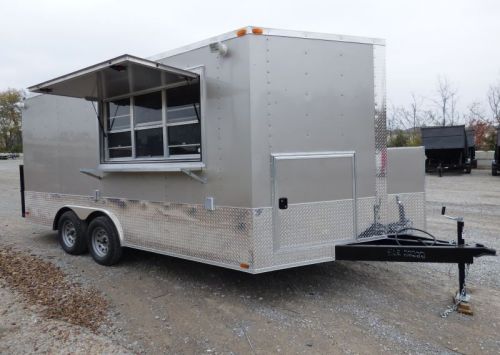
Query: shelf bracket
[93,172]
[198,178]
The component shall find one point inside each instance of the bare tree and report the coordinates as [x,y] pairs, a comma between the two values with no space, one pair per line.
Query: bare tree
[407,118]
[400,117]
[431,118]
[447,100]
[494,102]
[453,108]
[391,120]
[416,103]
[475,112]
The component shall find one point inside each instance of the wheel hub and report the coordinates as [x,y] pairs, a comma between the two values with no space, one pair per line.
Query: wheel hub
[100,242]
[69,233]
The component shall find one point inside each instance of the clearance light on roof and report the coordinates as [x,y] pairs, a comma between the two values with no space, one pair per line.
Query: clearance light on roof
[255,30]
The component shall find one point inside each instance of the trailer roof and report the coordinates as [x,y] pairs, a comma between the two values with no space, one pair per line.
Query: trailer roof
[255,30]
[113,78]
[449,137]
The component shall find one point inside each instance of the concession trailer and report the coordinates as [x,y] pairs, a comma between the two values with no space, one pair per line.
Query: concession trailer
[255,150]
[446,148]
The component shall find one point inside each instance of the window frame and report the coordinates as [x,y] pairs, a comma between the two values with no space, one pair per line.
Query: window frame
[195,160]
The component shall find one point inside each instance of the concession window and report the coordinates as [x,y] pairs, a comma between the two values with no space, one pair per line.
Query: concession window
[141,130]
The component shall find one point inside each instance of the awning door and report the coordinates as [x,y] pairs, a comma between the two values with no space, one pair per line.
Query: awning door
[116,77]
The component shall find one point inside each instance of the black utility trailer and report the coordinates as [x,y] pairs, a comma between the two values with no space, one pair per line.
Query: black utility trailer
[471,144]
[446,148]
[495,164]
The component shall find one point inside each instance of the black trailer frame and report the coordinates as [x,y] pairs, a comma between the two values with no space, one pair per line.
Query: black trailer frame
[446,148]
[471,144]
[21,189]
[404,247]
[495,164]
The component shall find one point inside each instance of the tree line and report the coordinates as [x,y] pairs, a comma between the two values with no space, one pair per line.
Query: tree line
[10,121]
[404,122]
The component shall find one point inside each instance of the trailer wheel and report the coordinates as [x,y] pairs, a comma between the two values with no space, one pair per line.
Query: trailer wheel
[468,169]
[72,233]
[494,171]
[440,171]
[104,244]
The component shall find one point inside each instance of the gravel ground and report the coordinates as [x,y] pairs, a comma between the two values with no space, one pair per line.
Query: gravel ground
[42,283]
[162,304]
[24,330]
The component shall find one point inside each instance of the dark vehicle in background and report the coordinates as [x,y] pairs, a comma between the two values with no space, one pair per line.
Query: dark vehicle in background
[5,156]
[471,143]
[446,148]
[495,164]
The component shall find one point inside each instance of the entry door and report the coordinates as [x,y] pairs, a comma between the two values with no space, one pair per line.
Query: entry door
[314,199]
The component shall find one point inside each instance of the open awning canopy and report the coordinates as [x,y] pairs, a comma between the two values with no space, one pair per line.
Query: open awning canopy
[119,76]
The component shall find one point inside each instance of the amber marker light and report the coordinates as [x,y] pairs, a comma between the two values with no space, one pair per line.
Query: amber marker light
[241,32]
[244,266]
[257,31]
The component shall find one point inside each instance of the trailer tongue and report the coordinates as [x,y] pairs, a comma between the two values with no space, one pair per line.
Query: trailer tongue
[411,248]
[404,247]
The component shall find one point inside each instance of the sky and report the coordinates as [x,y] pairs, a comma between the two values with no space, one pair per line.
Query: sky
[458,39]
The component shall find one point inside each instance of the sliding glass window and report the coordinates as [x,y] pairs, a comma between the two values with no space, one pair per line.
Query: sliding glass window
[154,126]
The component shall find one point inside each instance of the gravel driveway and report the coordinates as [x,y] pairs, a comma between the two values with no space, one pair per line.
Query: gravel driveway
[163,304]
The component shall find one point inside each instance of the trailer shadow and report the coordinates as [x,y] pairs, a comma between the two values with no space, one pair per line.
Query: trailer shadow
[48,238]
[339,280]
[332,278]
[342,281]
[447,173]
[309,280]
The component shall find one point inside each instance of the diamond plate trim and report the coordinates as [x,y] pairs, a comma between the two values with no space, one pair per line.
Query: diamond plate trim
[308,234]
[226,236]
[315,223]
[366,214]
[380,203]
[222,236]
[265,259]
[229,236]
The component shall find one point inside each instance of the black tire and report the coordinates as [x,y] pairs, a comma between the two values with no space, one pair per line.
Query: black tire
[72,233]
[103,241]
[494,171]
[440,172]
[468,169]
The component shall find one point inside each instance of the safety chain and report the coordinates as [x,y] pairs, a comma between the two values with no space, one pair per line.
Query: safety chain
[458,300]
